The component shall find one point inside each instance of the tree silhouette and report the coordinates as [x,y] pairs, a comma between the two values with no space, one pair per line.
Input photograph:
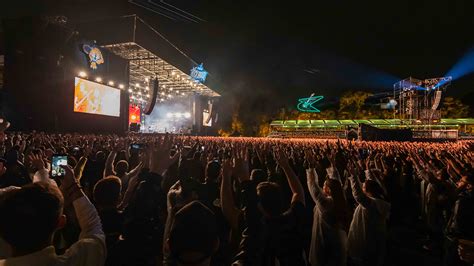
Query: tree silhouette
[453,108]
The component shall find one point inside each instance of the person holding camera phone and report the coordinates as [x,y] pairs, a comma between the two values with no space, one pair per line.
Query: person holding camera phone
[32,214]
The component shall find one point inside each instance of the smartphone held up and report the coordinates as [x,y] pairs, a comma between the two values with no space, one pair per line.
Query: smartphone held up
[57,161]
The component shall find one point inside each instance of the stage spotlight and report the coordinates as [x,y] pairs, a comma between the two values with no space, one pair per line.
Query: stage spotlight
[98,79]
[187,115]
[82,74]
[169,115]
[130,90]
[111,83]
[121,86]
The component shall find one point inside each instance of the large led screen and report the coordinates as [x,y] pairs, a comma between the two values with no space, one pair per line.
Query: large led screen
[96,98]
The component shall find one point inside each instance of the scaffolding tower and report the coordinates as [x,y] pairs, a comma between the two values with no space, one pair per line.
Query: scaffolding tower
[418,100]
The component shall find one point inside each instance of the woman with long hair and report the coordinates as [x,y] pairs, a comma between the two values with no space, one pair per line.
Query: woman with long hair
[329,237]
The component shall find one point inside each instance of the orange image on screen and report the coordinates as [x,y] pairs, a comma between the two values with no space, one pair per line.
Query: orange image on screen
[94,98]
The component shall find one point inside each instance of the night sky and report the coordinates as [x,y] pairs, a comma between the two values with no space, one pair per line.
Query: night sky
[259,50]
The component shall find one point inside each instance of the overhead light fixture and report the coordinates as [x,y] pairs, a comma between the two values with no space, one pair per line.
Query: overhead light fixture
[183,93]
[130,90]
[139,93]
[121,86]
[169,115]
[137,85]
[98,79]
[146,79]
[187,115]
[111,83]
[82,74]
[147,88]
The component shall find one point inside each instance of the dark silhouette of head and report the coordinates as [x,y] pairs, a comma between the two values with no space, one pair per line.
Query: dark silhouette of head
[213,170]
[270,197]
[100,156]
[373,189]
[30,216]
[333,188]
[107,192]
[193,238]
[121,167]
[258,176]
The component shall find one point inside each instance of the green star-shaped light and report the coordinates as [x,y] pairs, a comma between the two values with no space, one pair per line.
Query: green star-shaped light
[306,104]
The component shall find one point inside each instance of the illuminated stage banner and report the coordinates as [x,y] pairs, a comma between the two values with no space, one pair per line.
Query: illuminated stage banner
[306,104]
[134,114]
[198,73]
[95,98]
[94,54]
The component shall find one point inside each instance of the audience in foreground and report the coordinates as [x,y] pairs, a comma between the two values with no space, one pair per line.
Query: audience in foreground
[178,200]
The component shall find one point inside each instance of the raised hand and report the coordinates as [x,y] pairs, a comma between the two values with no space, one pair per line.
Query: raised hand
[37,162]
[241,164]
[160,159]
[70,186]
[226,168]
[309,155]
[281,158]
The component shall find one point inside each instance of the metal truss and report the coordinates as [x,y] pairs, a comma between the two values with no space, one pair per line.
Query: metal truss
[145,66]
[418,100]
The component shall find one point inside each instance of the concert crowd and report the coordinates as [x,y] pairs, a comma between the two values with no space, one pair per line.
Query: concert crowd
[149,199]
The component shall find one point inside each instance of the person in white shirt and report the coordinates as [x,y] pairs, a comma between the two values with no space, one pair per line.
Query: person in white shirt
[330,218]
[368,231]
[32,214]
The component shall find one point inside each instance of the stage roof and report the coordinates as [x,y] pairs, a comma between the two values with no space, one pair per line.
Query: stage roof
[150,54]
[145,65]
